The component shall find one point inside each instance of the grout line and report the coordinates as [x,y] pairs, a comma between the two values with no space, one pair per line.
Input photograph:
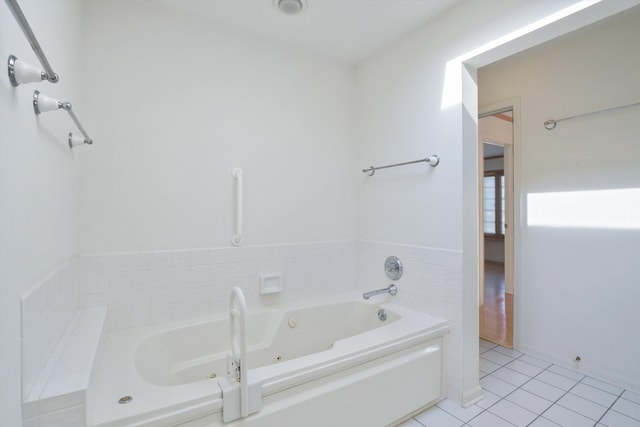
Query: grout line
[501,398]
[518,388]
[557,400]
[553,403]
[609,408]
[604,391]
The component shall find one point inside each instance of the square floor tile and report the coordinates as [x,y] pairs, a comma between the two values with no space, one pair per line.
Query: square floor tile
[487,419]
[487,366]
[556,380]
[566,417]
[496,386]
[616,419]
[594,394]
[495,357]
[489,399]
[529,401]
[511,376]
[508,351]
[464,414]
[543,390]
[524,368]
[436,417]
[535,361]
[628,408]
[565,372]
[513,413]
[582,406]
[609,388]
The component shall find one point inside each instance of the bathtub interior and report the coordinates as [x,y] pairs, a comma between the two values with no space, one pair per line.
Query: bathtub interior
[166,367]
[199,352]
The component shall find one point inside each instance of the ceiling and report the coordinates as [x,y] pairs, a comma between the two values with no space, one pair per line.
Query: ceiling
[347,30]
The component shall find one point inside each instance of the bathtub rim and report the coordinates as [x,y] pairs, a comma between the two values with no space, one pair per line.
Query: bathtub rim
[200,397]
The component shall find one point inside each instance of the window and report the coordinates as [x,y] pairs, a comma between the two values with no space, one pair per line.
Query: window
[494,210]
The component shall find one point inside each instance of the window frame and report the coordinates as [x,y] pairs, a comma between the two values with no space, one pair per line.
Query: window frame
[496,174]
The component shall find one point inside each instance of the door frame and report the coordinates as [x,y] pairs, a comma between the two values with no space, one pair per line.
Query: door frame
[513,210]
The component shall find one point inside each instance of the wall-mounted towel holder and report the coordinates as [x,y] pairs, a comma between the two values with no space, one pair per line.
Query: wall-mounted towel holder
[20,73]
[432,160]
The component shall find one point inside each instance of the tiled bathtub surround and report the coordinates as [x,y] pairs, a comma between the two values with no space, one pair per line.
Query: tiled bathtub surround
[432,283]
[46,312]
[155,287]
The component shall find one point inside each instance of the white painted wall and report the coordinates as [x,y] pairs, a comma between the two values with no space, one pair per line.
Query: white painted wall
[417,97]
[177,104]
[158,176]
[38,177]
[578,290]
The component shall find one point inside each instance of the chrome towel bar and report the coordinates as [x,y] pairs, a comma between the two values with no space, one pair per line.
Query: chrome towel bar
[20,73]
[432,160]
[33,41]
[43,103]
[551,124]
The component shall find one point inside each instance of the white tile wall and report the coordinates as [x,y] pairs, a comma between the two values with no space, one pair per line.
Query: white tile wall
[155,287]
[46,310]
[432,283]
[144,288]
[62,390]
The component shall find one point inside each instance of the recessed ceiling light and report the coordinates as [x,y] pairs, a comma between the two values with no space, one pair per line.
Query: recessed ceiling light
[290,7]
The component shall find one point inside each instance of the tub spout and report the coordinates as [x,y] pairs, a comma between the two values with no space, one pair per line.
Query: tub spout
[391,289]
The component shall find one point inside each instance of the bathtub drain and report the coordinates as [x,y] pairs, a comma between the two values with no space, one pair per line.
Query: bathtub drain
[212,376]
[125,399]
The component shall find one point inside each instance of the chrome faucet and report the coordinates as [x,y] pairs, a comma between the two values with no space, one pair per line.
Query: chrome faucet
[391,289]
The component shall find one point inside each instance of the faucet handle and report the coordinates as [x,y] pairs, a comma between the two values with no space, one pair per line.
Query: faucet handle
[393,289]
[393,268]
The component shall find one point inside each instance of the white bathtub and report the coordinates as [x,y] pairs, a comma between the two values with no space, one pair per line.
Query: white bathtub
[328,364]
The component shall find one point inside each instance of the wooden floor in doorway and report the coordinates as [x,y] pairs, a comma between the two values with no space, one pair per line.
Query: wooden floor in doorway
[496,314]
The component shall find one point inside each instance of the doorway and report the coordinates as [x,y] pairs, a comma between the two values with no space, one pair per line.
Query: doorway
[495,130]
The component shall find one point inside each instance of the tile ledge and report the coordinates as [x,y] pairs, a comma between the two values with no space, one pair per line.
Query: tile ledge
[80,345]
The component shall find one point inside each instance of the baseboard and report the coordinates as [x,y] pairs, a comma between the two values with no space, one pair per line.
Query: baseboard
[472,396]
[583,368]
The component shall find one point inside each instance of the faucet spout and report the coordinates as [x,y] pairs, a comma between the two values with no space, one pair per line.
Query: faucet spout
[391,289]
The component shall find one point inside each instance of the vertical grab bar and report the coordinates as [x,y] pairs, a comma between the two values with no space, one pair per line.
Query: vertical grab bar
[237,310]
[236,240]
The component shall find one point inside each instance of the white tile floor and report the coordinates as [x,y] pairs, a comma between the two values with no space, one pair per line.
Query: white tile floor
[521,390]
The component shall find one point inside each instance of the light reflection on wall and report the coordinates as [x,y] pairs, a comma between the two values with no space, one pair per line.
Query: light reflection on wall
[607,209]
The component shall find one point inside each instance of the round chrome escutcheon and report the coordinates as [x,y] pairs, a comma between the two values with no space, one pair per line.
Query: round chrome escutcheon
[393,268]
